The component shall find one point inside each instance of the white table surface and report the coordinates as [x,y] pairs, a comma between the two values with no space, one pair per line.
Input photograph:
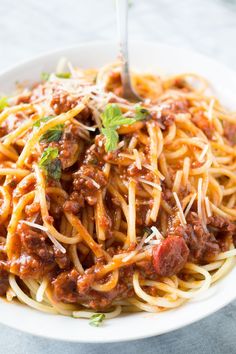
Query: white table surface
[30,27]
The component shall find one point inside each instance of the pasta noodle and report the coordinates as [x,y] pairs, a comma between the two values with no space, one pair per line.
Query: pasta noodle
[111,206]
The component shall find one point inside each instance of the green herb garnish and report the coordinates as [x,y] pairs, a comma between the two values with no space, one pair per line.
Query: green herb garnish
[97,319]
[53,134]
[50,163]
[112,138]
[141,113]
[42,120]
[64,75]
[3,102]
[112,119]
[44,76]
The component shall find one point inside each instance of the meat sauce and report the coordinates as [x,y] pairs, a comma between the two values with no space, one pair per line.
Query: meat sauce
[192,243]
[36,257]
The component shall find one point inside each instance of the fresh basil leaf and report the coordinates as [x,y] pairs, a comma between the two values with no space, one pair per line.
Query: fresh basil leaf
[111,111]
[112,117]
[50,163]
[64,75]
[42,120]
[3,102]
[44,76]
[48,154]
[118,121]
[141,113]
[54,169]
[53,134]
[97,319]
[111,137]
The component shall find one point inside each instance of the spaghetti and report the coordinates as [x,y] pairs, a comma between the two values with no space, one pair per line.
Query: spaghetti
[112,206]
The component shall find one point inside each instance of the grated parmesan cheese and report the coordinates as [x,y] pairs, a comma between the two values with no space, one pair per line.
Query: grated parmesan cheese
[152,184]
[190,204]
[180,213]
[92,181]
[158,173]
[44,229]
[155,233]
[138,159]
[208,207]
[199,199]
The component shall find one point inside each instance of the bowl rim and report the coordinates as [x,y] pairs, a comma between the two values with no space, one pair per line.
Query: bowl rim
[60,52]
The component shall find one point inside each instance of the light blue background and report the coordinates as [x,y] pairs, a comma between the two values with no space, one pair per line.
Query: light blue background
[30,27]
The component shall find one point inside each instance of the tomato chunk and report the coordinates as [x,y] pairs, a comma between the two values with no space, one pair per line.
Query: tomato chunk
[170,256]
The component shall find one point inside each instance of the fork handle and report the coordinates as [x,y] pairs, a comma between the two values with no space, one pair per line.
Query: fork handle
[122,28]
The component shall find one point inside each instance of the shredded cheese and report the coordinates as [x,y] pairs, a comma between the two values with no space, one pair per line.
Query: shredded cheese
[44,229]
[158,173]
[92,181]
[138,159]
[190,204]
[199,199]
[208,207]
[152,184]
[155,233]
[180,213]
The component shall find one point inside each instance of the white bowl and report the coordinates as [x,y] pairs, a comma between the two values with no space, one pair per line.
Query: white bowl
[147,57]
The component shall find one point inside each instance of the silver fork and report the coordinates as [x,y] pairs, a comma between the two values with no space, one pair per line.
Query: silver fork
[122,28]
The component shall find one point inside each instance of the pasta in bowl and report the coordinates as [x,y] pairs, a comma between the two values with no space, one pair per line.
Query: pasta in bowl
[110,206]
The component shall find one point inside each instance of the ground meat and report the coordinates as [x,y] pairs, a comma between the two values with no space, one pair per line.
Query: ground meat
[74,204]
[88,180]
[180,106]
[96,153]
[146,269]
[170,256]
[55,210]
[25,186]
[84,115]
[167,194]
[141,213]
[35,256]
[180,83]
[24,98]
[69,146]
[167,119]
[62,102]
[62,260]
[224,231]
[85,281]
[70,287]
[203,123]
[114,84]
[65,286]
[202,244]
[32,208]
[4,284]
[230,132]
[221,223]
[3,131]
[167,116]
